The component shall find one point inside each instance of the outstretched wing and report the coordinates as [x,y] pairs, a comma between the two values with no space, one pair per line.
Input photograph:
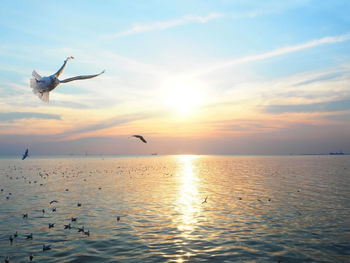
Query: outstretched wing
[139,137]
[143,139]
[81,77]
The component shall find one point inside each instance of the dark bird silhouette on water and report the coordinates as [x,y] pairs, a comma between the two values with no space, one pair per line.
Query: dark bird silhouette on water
[67,226]
[30,236]
[48,247]
[74,219]
[43,85]
[139,137]
[25,155]
[31,257]
[51,225]
[205,200]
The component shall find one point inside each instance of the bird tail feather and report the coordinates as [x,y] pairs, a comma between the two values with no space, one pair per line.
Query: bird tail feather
[44,96]
[36,75]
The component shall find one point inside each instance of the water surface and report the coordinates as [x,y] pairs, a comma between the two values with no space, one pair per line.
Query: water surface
[259,209]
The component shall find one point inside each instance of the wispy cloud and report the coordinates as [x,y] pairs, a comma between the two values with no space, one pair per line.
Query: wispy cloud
[11,116]
[329,106]
[277,52]
[161,25]
[105,124]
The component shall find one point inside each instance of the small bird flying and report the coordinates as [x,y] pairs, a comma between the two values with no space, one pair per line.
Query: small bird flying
[205,200]
[139,137]
[43,85]
[25,155]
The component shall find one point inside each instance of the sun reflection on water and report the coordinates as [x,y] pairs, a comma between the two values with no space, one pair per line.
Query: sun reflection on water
[188,197]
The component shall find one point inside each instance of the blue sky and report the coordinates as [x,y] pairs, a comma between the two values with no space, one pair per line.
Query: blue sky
[214,76]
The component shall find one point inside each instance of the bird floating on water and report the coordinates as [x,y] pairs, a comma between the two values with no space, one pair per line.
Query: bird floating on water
[139,137]
[80,229]
[74,219]
[25,155]
[67,226]
[29,236]
[43,85]
[51,225]
[48,247]
[205,200]
[25,215]
[31,257]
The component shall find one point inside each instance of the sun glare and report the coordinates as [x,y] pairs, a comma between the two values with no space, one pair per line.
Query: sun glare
[183,96]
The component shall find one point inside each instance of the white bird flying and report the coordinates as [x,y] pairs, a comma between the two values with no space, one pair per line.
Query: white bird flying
[139,137]
[43,85]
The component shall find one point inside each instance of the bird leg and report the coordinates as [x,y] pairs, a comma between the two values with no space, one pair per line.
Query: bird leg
[59,72]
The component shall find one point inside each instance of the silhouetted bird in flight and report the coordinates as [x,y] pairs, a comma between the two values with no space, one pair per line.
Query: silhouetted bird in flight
[139,137]
[205,200]
[25,155]
[43,85]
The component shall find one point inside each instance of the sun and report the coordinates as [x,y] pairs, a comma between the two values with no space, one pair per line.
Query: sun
[183,96]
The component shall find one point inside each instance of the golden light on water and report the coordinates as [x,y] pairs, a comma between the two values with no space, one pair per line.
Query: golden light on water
[188,197]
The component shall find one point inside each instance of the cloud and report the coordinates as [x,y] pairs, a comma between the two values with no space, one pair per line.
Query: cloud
[329,106]
[342,117]
[105,124]
[276,52]
[161,25]
[11,116]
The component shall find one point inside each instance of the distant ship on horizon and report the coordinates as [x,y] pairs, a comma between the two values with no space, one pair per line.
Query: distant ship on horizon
[337,153]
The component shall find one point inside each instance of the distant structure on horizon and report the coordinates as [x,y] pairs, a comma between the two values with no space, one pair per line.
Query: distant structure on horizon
[337,153]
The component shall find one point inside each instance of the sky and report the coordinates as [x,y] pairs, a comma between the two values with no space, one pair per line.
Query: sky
[193,77]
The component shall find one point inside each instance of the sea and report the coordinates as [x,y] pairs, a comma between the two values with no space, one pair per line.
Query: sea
[176,208]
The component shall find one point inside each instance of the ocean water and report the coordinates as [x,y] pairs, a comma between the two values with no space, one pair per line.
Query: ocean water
[258,209]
